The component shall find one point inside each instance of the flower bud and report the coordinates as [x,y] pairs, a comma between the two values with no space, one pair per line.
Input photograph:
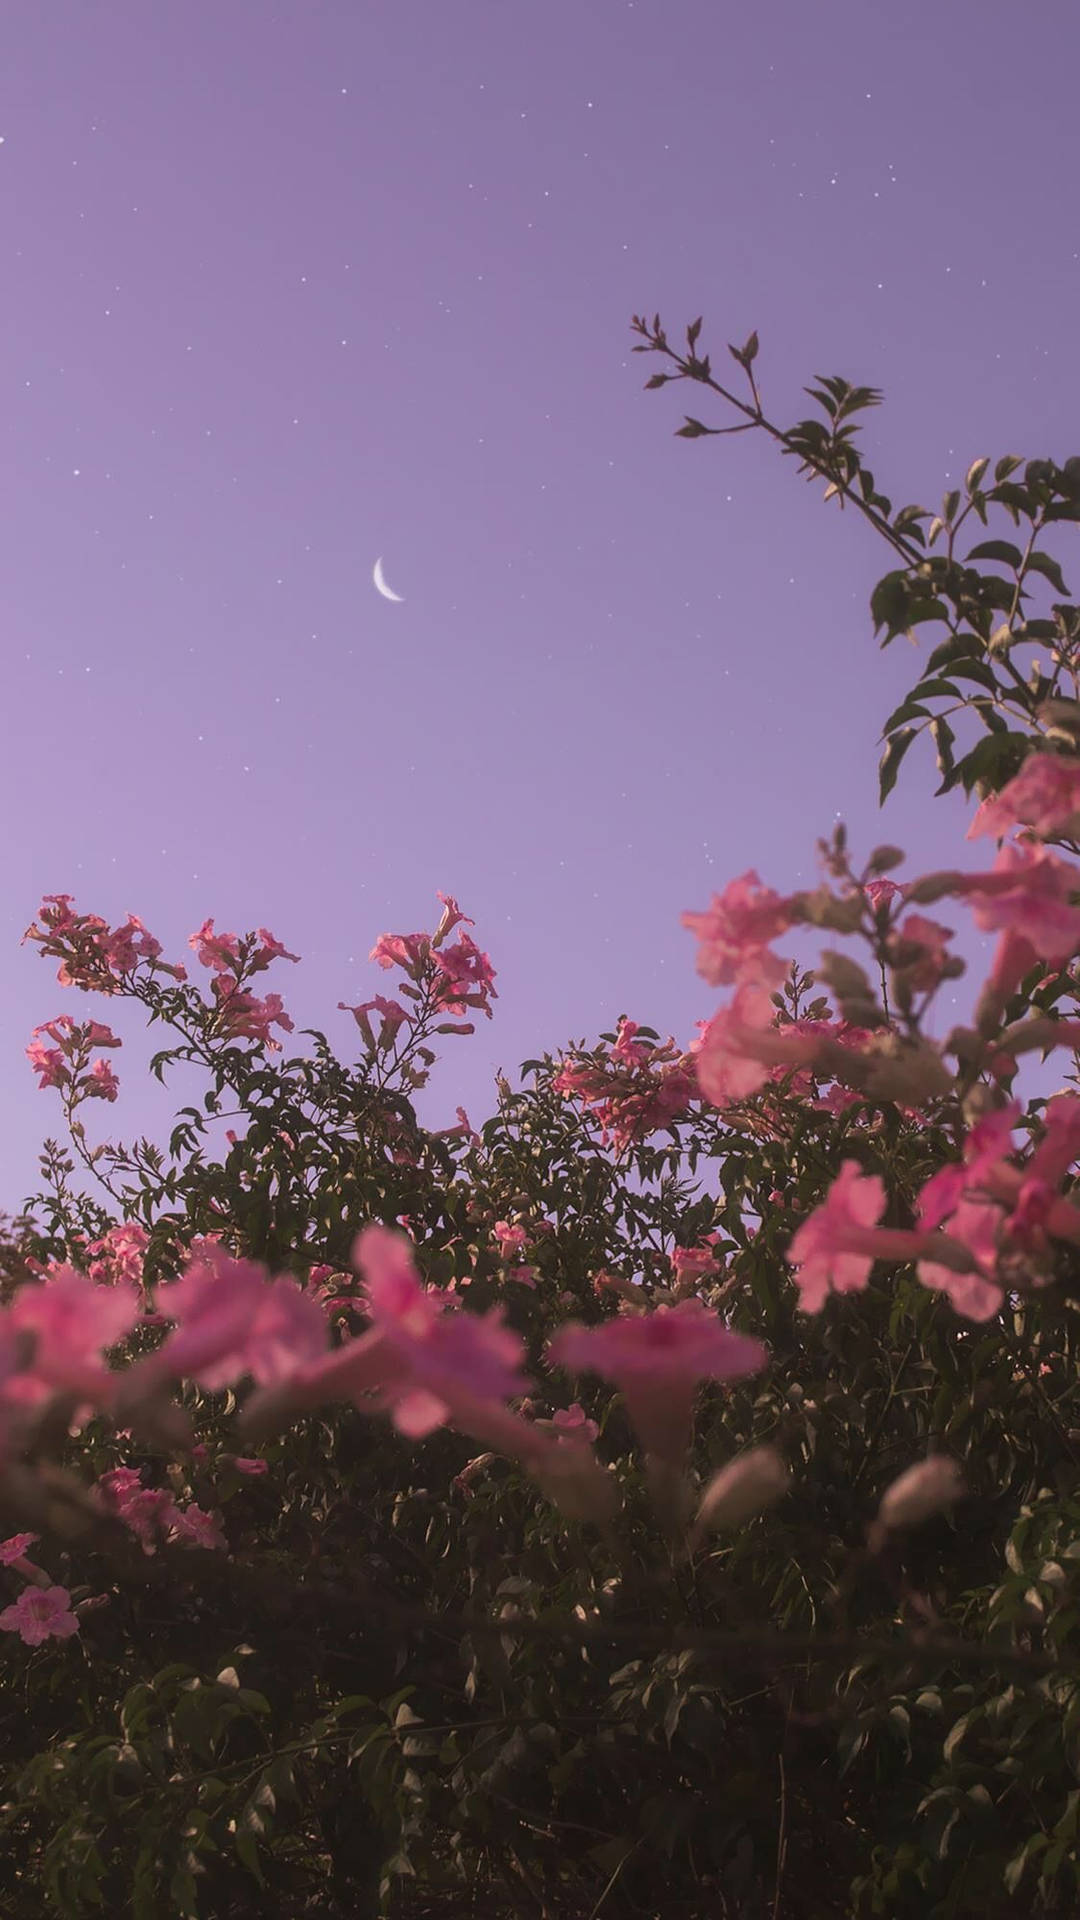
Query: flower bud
[922,1491]
[740,1490]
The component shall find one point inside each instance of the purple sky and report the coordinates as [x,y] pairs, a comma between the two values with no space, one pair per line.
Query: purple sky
[288,287]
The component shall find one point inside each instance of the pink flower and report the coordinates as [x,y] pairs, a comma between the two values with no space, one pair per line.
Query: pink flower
[631,1052]
[656,1359]
[834,1249]
[75,1322]
[452,917]
[512,1240]
[268,949]
[118,1255]
[882,893]
[987,1146]
[392,1012]
[49,1062]
[742,1042]
[243,1017]
[118,1482]
[101,1081]
[40,1614]
[252,1468]
[191,1527]
[1044,795]
[149,1512]
[218,950]
[572,1425]
[14,1549]
[975,1295]
[523,1276]
[1059,1149]
[694,1263]
[426,1363]
[1027,899]
[288,1331]
[96,1035]
[408,950]
[215,1304]
[735,931]
[465,977]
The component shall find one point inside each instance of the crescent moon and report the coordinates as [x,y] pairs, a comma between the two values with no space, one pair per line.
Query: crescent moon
[379,579]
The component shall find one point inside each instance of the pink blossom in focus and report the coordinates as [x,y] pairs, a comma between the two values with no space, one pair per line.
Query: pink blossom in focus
[735,931]
[392,1013]
[268,949]
[465,977]
[452,917]
[101,1081]
[243,1017]
[218,950]
[408,950]
[631,1052]
[1044,795]
[40,1614]
[49,1062]
[656,1359]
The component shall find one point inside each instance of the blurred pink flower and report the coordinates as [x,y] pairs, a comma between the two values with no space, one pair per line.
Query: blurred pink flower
[741,1044]
[835,1247]
[1044,795]
[975,1295]
[988,1144]
[917,949]
[74,1322]
[735,931]
[656,1359]
[14,1548]
[191,1527]
[512,1239]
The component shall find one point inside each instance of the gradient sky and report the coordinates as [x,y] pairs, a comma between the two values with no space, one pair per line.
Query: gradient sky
[288,287]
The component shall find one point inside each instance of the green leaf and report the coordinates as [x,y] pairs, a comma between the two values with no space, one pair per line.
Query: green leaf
[1002,550]
[889,765]
[693,430]
[943,737]
[1043,563]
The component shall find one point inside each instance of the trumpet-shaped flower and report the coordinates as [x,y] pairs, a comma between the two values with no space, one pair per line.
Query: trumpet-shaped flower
[656,1360]
[40,1614]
